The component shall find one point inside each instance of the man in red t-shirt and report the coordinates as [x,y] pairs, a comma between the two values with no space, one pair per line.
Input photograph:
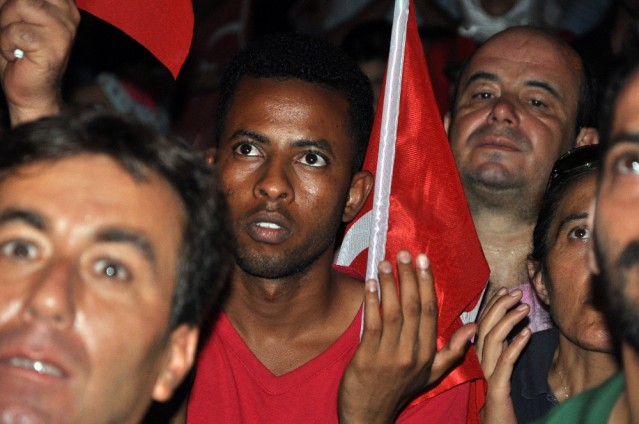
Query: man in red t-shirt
[292,129]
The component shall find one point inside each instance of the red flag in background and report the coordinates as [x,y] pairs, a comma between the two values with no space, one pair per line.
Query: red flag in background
[164,27]
[427,210]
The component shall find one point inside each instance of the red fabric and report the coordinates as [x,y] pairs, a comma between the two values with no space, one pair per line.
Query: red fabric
[232,386]
[429,212]
[164,27]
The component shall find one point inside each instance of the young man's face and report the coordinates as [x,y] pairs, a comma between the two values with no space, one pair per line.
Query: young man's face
[285,159]
[88,260]
[616,224]
[515,113]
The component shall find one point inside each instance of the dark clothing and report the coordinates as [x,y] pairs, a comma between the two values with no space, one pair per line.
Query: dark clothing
[531,395]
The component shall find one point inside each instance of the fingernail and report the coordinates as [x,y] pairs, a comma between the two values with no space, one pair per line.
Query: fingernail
[385,267]
[515,292]
[522,307]
[422,261]
[371,285]
[524,333]
[403,256]
[502,291]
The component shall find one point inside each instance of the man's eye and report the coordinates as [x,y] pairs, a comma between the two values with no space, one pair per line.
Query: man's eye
[19,249]
[106,268]
[627,164]
[313,159]
[483,95]
[537,103]
[246,149]
[581,232]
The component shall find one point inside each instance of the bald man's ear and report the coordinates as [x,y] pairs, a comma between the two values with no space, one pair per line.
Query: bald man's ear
[587,136]
[447,122]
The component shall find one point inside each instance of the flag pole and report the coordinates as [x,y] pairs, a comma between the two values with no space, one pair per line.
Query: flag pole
[388,135]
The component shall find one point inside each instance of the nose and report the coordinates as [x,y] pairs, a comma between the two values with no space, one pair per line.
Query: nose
[50,299]
[274,183]
[504,112]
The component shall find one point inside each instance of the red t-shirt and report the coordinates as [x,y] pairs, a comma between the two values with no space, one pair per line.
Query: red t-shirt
[233,386]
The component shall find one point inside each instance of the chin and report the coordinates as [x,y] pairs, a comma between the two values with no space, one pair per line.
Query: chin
[20,414]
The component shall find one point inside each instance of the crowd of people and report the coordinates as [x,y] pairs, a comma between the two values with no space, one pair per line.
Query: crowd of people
[135,266]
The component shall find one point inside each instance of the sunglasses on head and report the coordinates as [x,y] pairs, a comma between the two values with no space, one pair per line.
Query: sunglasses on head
[574,162]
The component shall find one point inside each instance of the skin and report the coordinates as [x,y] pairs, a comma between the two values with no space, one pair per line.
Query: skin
[44,30]
[285,158]
[514,115]
[304,189]
[616,232]
[565,286]
[82,259]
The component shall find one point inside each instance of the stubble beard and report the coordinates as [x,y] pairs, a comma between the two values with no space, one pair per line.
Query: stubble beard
[514,194]
[622,311]
[286,264]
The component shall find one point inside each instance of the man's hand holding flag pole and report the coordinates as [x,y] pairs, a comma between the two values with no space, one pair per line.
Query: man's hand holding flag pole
[418,206]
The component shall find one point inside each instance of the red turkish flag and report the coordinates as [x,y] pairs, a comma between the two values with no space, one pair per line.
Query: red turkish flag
[164,27]
[427,211]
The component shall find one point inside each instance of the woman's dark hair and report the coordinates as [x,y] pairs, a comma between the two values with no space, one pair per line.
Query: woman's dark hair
[205,258]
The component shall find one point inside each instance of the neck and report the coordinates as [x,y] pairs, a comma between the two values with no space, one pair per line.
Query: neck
[282,302]
[288,321]
[506,242]
[576,369]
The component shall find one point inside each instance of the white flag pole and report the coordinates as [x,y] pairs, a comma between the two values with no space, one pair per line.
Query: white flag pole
[388,135]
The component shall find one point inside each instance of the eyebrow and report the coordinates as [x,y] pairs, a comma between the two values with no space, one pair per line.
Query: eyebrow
[571,218]
[544,86]
[138,241]
[481,75]
[26,216]
[625,137]
[35,220]
[251,134]
[319,144]
[488,76]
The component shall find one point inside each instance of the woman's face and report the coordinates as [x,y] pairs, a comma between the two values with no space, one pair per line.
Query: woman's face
[566,286]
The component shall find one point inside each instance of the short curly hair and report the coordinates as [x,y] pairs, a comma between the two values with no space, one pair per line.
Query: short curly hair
[310,59]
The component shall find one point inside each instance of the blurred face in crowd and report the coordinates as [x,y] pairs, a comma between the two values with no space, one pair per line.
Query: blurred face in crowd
[616,223]
[88,259]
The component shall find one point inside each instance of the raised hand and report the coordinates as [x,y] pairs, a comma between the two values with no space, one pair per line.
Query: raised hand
[397,357]
[497,356]
[43,30]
